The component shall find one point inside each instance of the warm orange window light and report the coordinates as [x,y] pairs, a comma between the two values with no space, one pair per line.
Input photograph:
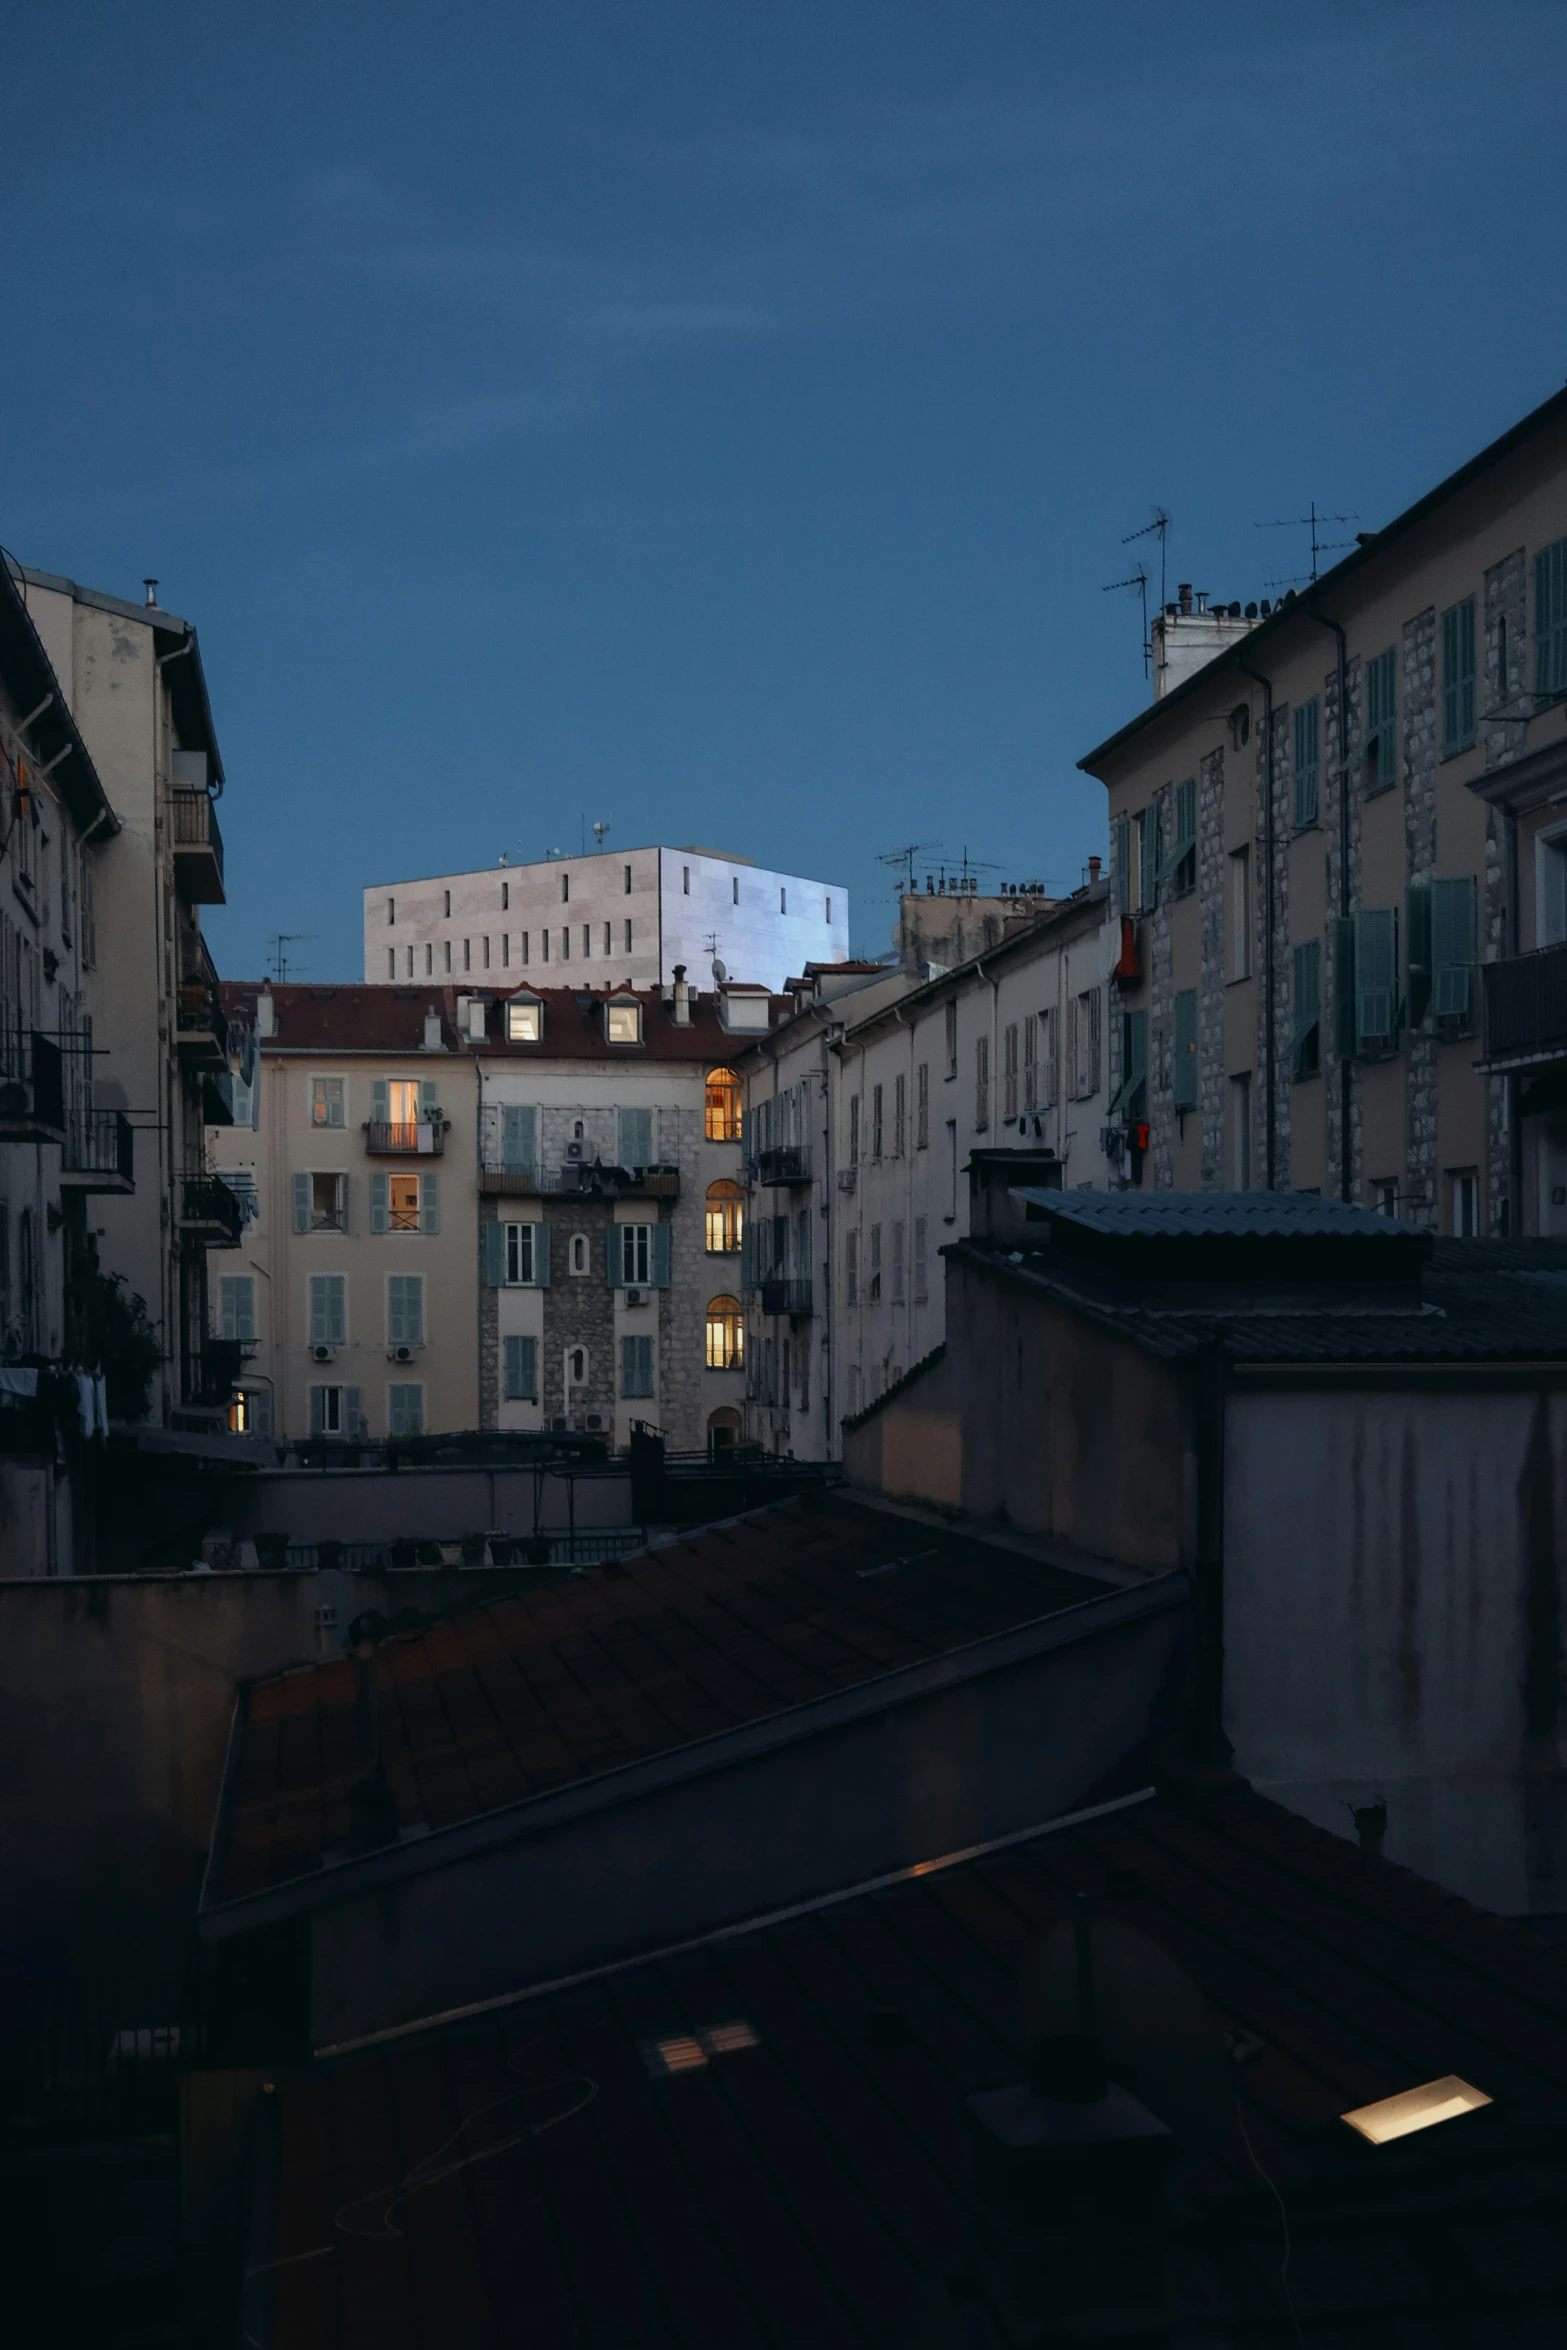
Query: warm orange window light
[1416,2109]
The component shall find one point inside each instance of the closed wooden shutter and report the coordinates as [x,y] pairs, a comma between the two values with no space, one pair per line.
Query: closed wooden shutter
[1453,947]
[301,1203]
[541,1256]
[659,1255]
[353,1416]
[1376,977]
[493,1238]
[1550,620]
[636,1138]
[380,1201]
[1307,763]
[380,1102]
[429,1203]
[519,1128]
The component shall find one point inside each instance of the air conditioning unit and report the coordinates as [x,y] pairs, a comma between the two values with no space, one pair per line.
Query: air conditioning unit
[636,1297]
[401,1354]
[574,1150]
[323,1354]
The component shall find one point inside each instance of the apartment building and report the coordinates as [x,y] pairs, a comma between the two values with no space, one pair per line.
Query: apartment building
[865,1114]
[1315,861]
[146,1010]
[515,1211]
[630,916]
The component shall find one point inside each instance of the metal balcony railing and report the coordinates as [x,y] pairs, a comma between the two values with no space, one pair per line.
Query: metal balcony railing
[100,1155]
[209,1209]
[202,1032]
[403,1138]
[499,1178]
[1526,1006]
[198,849]
[785,1297]
[208,1379]
[787,1162]
[32,1088]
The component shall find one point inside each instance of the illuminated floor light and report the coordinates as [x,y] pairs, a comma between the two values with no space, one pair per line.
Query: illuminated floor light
[1416,2109]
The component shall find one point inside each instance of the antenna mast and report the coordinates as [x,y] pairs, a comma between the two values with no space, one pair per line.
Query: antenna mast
[282,939]
[1309,521]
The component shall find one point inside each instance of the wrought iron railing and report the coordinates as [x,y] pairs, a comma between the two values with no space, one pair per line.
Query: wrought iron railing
[103,1144]
[209,1379]
[785,1297]
[1526,1004]
[404,1138]
[786,1162]
[206,1200]
[32,1083]
[196,827]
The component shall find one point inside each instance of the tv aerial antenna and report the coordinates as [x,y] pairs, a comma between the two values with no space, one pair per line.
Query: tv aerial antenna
[1311,521]
[1139,580]
[282,939]
[601,831]
[1161,524]
[901,861]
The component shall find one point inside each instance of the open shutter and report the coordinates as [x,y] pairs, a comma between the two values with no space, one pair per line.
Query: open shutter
[530,1370]
[380,1103]
[1550,620]
[1343,934]
[1184,1074]
[353,1417]
[342,1202]
[429,1097]
[658,1254]
[317,1410]
[337,1308]
[380,1201]
[1453,946]
[1306,763]
[1376,976]
[614,1254]
[636,1138]
[541,1256]
[429,1203]
[513,1381]
[1417,949]
[1121,864]
[519,1132]
[301,1203]
[493,1237]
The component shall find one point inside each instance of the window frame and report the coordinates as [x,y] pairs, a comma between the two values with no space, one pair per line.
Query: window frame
[1457,692]
[328,1093]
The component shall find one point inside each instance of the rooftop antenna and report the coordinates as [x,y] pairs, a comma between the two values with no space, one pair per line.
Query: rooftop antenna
[282,939]
[901,861]
[1139,580]
[1161,524]
[1309,521]
[601,831]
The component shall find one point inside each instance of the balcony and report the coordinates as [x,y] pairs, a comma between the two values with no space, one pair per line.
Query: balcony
[101,1158]
[789,1162]
[210,1212]
[208,1379]
[399,1139]
[590,1180]
[786,1297]
[198,849]
[202,1033]
[32,1089]
[1526,1008]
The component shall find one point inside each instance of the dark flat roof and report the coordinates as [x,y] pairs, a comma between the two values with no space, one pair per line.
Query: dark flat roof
[542,2176]
[608,1666]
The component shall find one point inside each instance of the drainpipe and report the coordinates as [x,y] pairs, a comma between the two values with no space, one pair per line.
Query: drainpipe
[1270,1151]
[1345,1183]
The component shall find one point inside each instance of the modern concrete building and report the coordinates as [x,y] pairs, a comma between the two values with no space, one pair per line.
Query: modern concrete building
[160,1047]
[484,1211]
[864,1111]
[1313,863]
[629,916]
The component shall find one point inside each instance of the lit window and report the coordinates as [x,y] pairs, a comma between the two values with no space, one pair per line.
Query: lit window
[723,1106]
[623,1023]
[724,1212]
[326,1101]
[524,1022]
[725,1334]
[1416,2109]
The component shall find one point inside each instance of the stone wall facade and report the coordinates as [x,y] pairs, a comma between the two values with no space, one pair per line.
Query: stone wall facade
[1420,1202]
[1341,748]
[1212,865]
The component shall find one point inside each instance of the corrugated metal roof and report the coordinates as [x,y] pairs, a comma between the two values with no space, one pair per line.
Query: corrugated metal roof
[532,2178]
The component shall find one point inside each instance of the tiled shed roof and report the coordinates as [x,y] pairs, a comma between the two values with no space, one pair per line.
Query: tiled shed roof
[541,2178]
[1272,1215]
[607,1666]
[354,1018]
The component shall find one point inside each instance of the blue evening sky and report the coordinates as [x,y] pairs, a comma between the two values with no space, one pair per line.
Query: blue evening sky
[722,419]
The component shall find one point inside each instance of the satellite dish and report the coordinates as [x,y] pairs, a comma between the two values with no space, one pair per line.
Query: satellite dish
[1094,1977]
[719,973]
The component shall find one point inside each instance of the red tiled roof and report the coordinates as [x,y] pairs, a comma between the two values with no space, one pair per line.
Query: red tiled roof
[615,1663]
[390,1019]
[527,2179]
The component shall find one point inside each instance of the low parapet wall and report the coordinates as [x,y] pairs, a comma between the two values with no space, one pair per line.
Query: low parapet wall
[427,1504]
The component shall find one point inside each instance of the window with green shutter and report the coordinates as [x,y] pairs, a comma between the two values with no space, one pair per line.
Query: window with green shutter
[405,1309]
[1148,830]
[301,1192]
[1179,868]
[328,1295]
[492,1244]
[1550,620]
[1381,723]
[429,1203]
[636,1366]
[1307,998]
[380,1201]
[1458,676]
[1183,1075]
[1131,1095]
[1308,764]
[1454,953]
[519,1137]
[1417,952]
[1376,979]
[629,1263]
[237,1307]
[404,1410]
[635,1138]
[1121,864]
[522,1370]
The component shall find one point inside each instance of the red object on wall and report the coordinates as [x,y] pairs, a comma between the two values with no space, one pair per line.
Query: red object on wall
[1128,967]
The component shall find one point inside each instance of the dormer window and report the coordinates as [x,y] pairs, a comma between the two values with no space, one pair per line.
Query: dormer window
[524,1020]
[623,1022]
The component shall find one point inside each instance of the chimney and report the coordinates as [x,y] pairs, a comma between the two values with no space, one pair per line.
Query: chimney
[1370,1825]
[1184,592]
[151,587]
[432,1032]
[266,1024]
[1093,871]
[682,1011]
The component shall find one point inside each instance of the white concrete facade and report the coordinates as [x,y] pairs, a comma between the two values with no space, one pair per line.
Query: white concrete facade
[627,916]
